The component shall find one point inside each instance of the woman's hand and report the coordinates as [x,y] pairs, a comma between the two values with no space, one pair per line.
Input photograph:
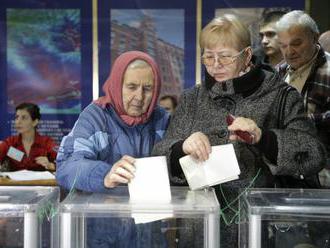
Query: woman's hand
[244,124]
[198,146]
[121,172]
[43,161]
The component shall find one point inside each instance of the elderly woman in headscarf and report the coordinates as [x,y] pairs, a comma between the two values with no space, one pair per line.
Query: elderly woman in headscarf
[98,154]
[234,85]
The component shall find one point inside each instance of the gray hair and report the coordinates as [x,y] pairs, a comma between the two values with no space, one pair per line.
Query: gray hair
[297,18]
[138,64]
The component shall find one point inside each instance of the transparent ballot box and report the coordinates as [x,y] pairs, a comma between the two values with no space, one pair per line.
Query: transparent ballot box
[26,216]
[280,218]
[190,219]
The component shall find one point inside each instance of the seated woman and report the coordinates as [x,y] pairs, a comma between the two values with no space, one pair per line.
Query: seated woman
[234,85]
[28,150]
[99,152]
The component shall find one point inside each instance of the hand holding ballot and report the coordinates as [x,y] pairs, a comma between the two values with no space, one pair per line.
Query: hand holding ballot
[205,165]
[220,167]
[151,182]
[121,172]
[198,146]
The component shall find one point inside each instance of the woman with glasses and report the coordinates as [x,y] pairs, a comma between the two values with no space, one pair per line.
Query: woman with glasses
[234,85]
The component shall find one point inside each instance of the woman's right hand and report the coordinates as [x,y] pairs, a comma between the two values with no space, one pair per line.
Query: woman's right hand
[121,172]
[198,146]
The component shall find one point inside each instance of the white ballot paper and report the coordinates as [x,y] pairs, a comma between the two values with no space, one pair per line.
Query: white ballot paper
[222,166]
[27,175]
[149,187]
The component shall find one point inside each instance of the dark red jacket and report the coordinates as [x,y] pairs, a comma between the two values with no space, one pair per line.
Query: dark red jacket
[42,146]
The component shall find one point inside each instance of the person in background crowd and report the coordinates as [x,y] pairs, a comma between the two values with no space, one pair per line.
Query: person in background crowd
[324,41]
[99,153]
[28,150]
[169,103]
[269,39]
[307,68]
[233,85]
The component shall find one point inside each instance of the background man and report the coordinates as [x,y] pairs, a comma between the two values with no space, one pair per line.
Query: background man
[269,39]
[169,103]
[307,68]
[324,41]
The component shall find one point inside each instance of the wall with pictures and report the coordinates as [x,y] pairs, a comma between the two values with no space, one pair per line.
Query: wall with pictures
[45,58]
[164,29]
[57,54]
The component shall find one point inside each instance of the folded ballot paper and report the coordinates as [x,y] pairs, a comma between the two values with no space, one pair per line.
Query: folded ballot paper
[150,188]
[221,167]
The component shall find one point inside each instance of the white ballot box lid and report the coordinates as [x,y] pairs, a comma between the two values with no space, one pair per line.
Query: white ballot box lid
[117,202]
[17,200]
[287,201]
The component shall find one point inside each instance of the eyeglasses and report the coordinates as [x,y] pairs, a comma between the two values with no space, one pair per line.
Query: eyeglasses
[209,59]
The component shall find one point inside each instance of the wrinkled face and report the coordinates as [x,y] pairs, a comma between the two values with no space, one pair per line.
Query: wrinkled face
[24,122]
[167,104]
[298,46]
[269,39]
[222,72]
[137,90]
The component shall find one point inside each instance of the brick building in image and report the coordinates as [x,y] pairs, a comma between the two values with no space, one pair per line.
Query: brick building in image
[170,58]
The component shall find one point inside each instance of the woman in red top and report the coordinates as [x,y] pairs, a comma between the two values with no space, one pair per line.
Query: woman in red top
[28,150]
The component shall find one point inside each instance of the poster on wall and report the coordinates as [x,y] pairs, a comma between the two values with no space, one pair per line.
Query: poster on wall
[45,59]
[166,30]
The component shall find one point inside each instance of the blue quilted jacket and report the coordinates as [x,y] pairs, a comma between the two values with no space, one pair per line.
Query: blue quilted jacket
[100,138]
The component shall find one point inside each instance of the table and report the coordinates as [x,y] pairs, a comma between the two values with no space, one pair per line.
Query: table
[9,182]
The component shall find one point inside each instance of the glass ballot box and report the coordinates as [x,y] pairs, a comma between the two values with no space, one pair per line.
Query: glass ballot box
[26,216]
[281,218]
[190,219]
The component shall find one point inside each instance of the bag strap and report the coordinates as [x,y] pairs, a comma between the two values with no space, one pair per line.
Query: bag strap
[282,96]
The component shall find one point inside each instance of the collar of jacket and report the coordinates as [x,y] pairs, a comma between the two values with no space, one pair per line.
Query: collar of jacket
[245,85]
[319,61]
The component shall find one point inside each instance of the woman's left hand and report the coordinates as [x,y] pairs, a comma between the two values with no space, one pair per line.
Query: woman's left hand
[247,125]
[43,161]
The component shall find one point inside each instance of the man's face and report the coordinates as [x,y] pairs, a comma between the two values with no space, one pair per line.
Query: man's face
[167,104]
[137,90]
[297,45]
[269,39]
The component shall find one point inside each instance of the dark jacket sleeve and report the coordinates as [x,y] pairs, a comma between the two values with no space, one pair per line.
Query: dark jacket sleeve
[51,149]
[3,149]
[178,130]
[300,152]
